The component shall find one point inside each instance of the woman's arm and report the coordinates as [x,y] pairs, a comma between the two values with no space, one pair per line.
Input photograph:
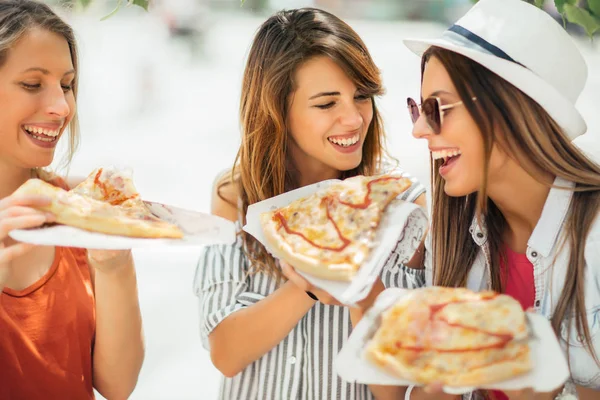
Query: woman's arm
[266,322]
[248,334]
[119,344]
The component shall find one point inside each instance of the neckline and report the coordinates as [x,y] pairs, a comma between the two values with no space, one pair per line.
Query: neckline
[513,255]
[40,282]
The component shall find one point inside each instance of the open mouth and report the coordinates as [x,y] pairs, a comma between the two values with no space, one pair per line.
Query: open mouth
[42,134]
[448,156]
[345,142]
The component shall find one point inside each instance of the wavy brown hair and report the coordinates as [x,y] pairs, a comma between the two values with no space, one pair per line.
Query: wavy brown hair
[508,118]
[17,18]
[283,43]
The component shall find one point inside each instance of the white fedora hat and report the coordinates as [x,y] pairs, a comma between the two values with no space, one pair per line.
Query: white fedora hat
[525,46]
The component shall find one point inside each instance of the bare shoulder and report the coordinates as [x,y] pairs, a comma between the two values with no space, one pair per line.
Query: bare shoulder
[225,195]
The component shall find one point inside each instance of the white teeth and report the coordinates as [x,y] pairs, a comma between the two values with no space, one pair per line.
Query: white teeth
[445,154]
[46,132]
[44,139]
[346,142]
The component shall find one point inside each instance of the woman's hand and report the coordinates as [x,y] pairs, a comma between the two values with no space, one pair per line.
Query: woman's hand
[432,391]
[18,212]
[290,273]
[324,297]
[529,394]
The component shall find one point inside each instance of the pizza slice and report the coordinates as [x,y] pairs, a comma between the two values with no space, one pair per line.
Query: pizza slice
[331,233]
[74,209]
[453,336]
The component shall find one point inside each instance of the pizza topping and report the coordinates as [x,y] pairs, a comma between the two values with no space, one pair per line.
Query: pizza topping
[328,202]
[439,325]
[345,242]
[99,183]
[367,200]
[436,330]
[107,185]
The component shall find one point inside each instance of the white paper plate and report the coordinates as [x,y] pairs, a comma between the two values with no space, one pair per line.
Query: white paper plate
[199,229]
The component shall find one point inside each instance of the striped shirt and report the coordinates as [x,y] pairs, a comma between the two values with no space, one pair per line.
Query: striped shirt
[301,365]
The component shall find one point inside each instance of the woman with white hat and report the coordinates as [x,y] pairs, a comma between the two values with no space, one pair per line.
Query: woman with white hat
[515,203]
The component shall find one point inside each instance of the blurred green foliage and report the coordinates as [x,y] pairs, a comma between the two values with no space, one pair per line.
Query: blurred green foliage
[120,3]
[585,13]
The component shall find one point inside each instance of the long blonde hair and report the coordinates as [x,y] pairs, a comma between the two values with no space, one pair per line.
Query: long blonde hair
[282,44]
[17,18]
[510,119]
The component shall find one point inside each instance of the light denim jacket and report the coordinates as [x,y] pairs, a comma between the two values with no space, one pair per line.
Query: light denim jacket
[550,261]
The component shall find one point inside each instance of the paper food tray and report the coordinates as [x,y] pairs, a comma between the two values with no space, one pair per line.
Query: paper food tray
[401,223]
[199,229]
[550,370]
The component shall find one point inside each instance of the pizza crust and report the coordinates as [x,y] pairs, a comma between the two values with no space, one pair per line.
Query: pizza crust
[494,373]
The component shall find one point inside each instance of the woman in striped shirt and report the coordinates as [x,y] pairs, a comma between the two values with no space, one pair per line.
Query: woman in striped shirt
[308,113]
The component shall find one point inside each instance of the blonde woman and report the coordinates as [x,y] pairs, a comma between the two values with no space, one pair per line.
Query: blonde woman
[515,203]
[69,318]
[308,113]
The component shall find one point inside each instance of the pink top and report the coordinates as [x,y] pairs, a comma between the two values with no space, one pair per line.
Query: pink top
[520,285]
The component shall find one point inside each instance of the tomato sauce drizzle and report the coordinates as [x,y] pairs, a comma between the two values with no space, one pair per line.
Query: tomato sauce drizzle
[100,184]
[504,339]
[110,195]
[328,200]
[367,200]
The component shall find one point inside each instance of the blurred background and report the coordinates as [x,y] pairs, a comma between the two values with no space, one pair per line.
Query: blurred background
[159,93]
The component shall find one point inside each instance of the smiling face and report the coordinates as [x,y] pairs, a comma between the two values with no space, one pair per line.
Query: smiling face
[37,98]
[459,144]
[328,120]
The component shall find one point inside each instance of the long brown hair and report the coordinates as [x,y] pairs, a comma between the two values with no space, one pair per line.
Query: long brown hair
[507,117]
[17,18]
[283,43]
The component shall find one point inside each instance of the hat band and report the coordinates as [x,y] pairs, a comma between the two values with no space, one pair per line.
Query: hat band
[465,38]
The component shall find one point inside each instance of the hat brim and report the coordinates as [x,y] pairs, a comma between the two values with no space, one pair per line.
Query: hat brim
[555,104]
